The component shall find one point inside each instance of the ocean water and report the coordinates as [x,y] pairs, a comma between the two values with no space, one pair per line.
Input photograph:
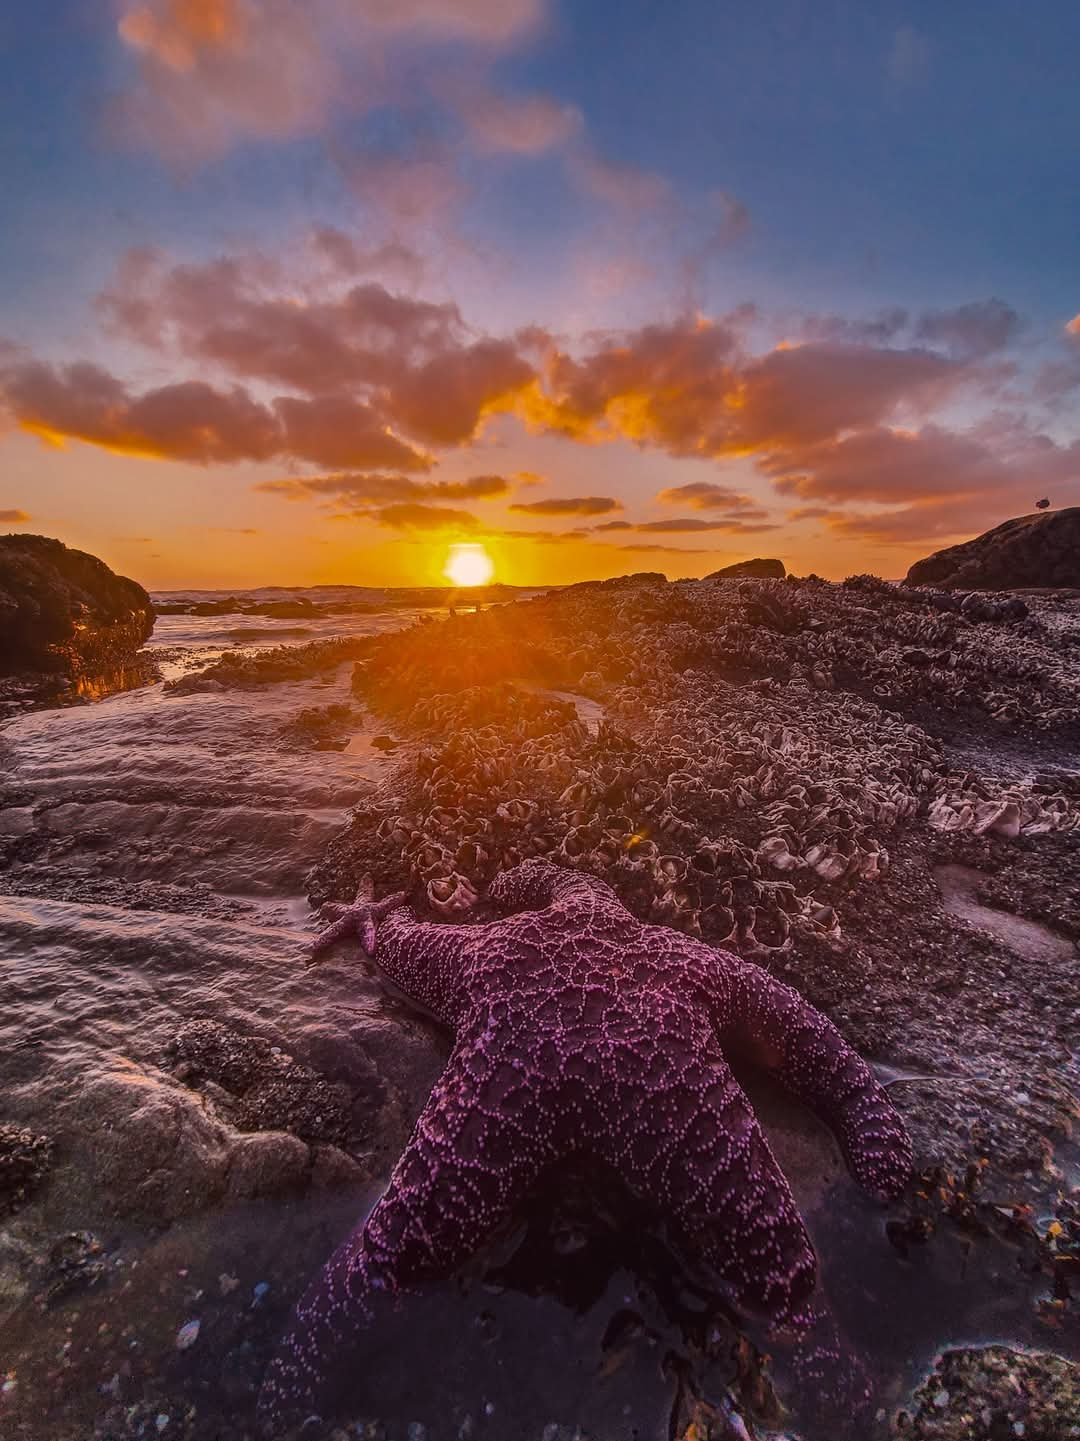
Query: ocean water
[156,847]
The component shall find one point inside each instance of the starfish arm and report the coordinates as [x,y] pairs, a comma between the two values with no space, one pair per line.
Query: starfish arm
[699,1156]
[458,1180]
[360,919]
[696,1151]
[429,961]
[816,1064]
[539,885]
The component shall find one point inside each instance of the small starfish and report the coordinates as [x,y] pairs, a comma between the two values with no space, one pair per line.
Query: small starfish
[581,1031]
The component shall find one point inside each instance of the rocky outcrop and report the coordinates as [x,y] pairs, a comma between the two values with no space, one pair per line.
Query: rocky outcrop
[618,582]
[1042,549]
[64,613]
[756,569]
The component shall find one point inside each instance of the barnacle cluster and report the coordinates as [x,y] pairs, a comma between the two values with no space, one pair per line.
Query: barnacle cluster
[759,742]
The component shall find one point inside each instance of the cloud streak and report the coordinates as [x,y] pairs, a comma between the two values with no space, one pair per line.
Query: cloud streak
[380,487]
[573,505]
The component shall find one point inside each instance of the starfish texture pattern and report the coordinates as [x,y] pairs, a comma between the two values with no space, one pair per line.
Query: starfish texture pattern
[581,1031]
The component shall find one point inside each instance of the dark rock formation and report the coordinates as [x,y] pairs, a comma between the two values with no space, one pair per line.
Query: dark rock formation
[619,582]
[65,613]
[1032,550]
[756,569]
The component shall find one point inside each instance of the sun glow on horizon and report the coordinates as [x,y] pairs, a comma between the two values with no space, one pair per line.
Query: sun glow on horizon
[469,564]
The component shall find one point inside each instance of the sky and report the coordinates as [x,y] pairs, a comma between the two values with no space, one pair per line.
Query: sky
[308,293]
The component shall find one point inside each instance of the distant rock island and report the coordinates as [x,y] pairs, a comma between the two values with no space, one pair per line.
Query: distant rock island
[756,569]
[1040,550]
[64,615]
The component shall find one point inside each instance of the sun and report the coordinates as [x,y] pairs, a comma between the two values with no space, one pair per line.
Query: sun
[468,565]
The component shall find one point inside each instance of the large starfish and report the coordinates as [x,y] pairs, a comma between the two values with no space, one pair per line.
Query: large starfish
[580,1031]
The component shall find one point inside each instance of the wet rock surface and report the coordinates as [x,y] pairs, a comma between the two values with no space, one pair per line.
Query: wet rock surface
[246,670]
[992,1393]
[64,613]
[267,1090]
[319,728]
[24,1164]
[1042,549]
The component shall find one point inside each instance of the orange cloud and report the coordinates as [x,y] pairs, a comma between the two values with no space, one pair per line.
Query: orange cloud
[410,360]
[359,489]
[704,495]
[573,505]
[444,401]
[425,517]
[14,517]
[193,421]
[689,389]
[370,385]
[1073,327]
[653,548]
[177,32]
[811,512]
[689,523]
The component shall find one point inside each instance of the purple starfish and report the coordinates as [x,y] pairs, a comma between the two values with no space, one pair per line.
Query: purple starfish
[581,1031]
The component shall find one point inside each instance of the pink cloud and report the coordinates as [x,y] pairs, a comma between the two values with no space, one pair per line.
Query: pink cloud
[486,22]
[408,360]
[524,124]
[193,421]
[705,495]
[208,74]
[443,401]
[940,482]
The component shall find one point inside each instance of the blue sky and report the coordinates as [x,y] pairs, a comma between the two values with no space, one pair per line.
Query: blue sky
[662,193]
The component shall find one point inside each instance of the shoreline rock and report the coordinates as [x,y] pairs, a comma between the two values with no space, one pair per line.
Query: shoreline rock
[66,619]
[1041,550]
